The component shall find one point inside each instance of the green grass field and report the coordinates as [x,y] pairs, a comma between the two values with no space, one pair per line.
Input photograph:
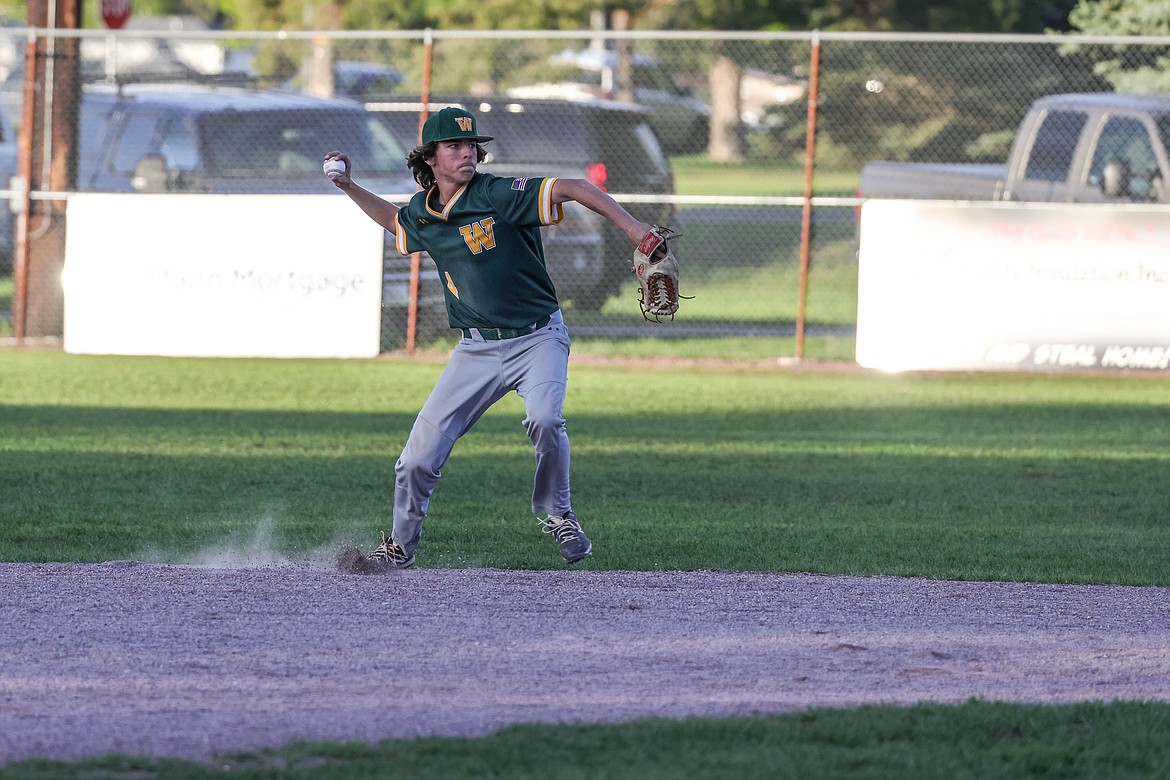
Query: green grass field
[1054,478]
[698,175]
[977,740]
[1049,478]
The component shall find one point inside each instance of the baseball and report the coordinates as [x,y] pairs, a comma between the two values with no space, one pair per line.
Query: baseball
[334,168]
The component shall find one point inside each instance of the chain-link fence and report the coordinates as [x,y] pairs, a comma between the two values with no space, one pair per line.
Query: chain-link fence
[707,132]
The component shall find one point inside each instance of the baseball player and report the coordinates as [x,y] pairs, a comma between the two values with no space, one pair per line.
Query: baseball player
[483,233]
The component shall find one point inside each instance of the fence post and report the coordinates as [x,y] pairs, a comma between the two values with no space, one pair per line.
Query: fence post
[20,244]
[415,257]
[810,147]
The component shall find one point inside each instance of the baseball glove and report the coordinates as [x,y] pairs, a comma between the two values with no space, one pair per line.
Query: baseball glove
[657,270]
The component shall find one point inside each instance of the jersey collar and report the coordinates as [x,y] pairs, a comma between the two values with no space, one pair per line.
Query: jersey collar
[434,191]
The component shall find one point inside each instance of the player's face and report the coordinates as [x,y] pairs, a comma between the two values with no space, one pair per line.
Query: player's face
[454,161]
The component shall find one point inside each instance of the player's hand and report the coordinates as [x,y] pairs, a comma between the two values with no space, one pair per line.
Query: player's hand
[340,177]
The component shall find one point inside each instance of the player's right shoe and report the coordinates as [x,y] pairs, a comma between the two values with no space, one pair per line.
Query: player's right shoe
[574,544]
[389,553]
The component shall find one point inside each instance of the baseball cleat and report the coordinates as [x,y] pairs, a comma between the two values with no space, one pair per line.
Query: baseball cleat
[390,554]
[573,542]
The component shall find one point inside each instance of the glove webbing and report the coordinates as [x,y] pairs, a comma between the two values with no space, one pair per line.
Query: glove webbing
[661,292]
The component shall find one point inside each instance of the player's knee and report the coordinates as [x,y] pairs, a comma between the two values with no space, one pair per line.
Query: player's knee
[544,425]
[412,469]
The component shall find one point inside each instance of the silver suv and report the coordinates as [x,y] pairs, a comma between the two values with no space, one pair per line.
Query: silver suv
[168,138]
[680,118]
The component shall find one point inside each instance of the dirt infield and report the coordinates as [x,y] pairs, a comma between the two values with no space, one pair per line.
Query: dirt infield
[192,661]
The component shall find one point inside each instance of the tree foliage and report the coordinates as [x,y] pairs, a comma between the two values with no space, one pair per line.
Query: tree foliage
[904,15]
[981,16]
[1129,68]
[1121,17]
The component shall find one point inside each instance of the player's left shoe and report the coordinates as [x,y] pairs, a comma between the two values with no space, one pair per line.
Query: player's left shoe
[574,544]
[390,554]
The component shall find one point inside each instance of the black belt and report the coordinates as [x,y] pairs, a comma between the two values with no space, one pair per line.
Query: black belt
[499,334]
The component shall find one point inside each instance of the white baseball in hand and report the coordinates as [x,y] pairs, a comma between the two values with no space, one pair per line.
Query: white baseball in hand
[334,168]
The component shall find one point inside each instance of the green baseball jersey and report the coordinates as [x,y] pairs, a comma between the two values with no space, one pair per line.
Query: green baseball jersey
[486,244]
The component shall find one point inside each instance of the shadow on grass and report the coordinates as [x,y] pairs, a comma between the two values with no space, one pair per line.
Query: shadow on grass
[1071,494]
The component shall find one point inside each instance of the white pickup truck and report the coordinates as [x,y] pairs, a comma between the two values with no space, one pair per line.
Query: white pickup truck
[1086,148]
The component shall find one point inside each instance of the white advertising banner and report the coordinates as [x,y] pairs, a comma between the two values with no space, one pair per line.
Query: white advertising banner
[222,276]
[945,285]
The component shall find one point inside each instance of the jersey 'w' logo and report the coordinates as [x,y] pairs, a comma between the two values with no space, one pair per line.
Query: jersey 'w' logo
[479,236]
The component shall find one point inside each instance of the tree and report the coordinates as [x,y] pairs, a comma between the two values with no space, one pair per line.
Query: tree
[1128,68]
[725,142]
[981,16]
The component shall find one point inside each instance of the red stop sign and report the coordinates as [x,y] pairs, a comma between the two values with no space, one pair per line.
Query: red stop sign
[115,13]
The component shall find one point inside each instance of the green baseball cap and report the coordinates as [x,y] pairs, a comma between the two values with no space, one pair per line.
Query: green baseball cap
[451,124]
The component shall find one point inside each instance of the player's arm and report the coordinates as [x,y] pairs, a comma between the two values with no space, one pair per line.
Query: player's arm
[595,199]
[376,207]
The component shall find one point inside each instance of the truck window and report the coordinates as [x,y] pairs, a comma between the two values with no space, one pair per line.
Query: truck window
[1125,141]
[1052,150]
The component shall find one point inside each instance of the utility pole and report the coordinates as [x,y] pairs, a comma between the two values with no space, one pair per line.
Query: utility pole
[319,77]
[624,75]
[48,162]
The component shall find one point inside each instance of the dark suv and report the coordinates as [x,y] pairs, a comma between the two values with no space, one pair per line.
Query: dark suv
[610,144]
